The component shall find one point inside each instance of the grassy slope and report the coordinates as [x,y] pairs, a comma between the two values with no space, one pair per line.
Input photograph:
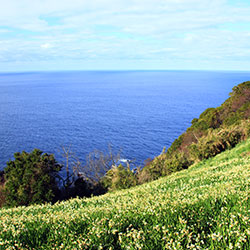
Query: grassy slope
[204,207]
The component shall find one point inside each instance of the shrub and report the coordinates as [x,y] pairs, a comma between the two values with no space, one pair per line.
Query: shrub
[31,178]
[177,162]
[153,169]
[119,177]
[218,141]
[176,144]
[200,125]
[194,121]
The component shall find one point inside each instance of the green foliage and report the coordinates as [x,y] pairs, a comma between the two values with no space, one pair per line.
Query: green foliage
[195,120]
[177,162]
[164,165]
[119,177]
[31,178]
[241,113]
[176,144]
[218,141]
[203,207]
[239,89]
[200,125]
[207,113]
[232,118]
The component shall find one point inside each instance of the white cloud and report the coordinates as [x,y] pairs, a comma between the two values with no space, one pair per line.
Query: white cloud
[131,29]
[46,46]
[134,15]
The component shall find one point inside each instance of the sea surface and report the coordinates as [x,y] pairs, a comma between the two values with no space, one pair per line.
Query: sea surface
[138,112]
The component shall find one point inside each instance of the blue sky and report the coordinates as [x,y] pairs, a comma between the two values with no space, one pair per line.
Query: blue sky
[124,34]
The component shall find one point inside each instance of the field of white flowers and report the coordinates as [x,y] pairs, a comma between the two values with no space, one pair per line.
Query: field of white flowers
[204,207]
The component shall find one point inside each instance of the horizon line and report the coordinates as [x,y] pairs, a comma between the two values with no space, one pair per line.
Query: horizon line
[119,70]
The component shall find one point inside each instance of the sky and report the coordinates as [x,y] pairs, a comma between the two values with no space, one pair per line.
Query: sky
[37,35]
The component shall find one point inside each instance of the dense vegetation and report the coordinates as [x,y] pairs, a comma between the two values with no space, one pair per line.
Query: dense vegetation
[36,177]
[31,178]
[203,207]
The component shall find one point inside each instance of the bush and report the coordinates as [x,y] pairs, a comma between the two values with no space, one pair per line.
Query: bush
[218,141]
[119,177]
[31,178]
[177,162]
[175,145]
[152,170]
[200,125]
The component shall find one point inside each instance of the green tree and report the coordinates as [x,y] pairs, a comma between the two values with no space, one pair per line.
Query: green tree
[31,178]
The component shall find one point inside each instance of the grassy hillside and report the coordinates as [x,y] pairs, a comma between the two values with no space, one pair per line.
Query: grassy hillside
[204,207]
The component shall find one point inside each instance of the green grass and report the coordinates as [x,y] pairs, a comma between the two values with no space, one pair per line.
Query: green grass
[204,207]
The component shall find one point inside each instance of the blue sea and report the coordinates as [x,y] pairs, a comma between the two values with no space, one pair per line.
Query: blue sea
[139,112]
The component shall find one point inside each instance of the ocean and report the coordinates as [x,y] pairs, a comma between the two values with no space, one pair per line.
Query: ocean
[138,112]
